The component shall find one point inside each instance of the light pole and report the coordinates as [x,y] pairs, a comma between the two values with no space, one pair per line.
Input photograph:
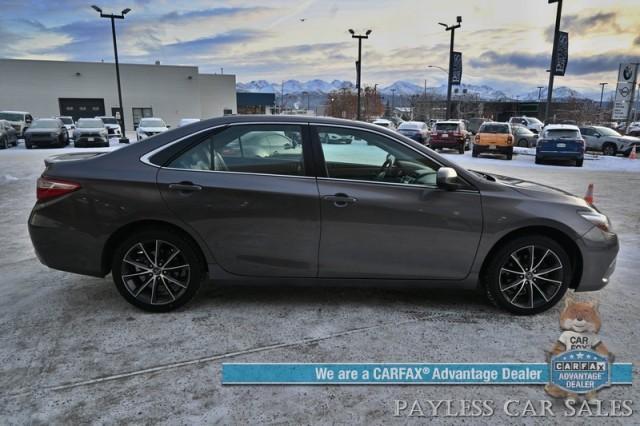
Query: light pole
[451,28]
[540,92]
[359,64]
[552,68]
[602,93]
[113,16]
[393,100]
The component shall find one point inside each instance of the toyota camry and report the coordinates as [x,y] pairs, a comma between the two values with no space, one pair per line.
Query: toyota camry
[246,198]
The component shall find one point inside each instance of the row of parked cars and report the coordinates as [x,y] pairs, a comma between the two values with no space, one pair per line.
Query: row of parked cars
[59,131]
[552,142]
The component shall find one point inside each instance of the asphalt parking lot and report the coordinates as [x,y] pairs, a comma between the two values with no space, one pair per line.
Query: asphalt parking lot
[73,351]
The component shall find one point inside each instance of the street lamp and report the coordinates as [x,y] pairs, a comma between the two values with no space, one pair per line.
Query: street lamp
[552,67]
[444,70]
[113,16]
[451,28]
[359,63]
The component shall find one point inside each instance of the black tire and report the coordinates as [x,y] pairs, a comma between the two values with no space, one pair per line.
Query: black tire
[510,155]
[579,163]
[28,145]
[548,255]
[4,143]
[146,283]
[609,149]
[523,143]
[538,160]
[474,152]
[461,149]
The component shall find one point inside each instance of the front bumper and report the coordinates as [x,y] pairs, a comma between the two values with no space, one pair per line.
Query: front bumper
[84,141]
[599,250]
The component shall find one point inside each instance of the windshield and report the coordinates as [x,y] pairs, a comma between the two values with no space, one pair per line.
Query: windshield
[90,123]
[45,124]
[109,120]
[66,120]
[494,128]
[605,131]
[561,134]
[523,130]
[152,122]
[447,127]
[534,120]
[11,116]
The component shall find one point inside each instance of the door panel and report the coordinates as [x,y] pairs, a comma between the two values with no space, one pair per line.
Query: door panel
[255,224]
[383,216]
[398,232]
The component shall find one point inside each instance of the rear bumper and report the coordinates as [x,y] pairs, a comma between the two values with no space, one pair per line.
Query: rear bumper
[599,251]
[559,155]
[500,149]
[62,247]
[446,143]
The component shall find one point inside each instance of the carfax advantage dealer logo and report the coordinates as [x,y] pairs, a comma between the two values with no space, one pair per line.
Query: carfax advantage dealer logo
[580,371]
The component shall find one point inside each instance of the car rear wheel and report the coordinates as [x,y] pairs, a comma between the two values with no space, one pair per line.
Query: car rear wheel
[523,143]
[461,148]
[474,152]
[579,163]
[609,149]
[4,143]
[157,270]
[528,275]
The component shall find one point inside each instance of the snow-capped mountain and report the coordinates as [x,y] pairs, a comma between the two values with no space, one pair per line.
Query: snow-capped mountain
[404,88]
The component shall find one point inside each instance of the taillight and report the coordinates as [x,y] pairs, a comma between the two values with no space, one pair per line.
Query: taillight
[477,138]
[456,134]
[50,188]
[509,139]
[434,133]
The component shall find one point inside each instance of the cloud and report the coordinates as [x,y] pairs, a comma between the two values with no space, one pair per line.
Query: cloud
[220,12]
[582,65]
[209,44]
[601,22]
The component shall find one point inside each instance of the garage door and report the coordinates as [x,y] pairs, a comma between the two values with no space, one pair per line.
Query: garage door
[81,107]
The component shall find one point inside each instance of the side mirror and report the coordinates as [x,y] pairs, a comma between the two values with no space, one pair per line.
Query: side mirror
[168,127]
[447,178]
[597,135]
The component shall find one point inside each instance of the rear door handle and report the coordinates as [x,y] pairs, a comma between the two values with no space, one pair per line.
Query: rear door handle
[340,200]
[185,187]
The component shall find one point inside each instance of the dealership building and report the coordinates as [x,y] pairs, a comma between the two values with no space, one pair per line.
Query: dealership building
[88,89]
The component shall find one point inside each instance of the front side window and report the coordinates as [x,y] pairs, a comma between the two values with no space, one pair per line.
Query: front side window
[374,158]
[269,149]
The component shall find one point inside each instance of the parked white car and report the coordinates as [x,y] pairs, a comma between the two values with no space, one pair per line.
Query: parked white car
[185,121]
[112,125]
[384,123]
[68,122]
[530,123]
[19,120]
[150,126]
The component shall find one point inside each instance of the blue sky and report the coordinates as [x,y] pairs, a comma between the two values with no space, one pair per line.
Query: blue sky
[505,43]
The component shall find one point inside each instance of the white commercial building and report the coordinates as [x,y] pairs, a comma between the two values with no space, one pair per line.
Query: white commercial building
[88,89]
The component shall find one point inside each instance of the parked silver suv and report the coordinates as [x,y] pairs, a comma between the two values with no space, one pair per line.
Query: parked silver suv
[19,120]
[610,142]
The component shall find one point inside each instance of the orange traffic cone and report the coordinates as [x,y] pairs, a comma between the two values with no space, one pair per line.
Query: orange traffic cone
[633,154]
[588,197]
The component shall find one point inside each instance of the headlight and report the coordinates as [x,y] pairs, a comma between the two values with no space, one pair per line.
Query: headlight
[54,134]
[103,132]
[597,219]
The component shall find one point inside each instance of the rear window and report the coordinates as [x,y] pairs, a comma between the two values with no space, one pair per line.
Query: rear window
[494,128]
[447,127]
[562,134]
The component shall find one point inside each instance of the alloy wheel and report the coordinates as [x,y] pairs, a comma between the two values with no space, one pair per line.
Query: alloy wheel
[155,272]
[609,150]
[531,277]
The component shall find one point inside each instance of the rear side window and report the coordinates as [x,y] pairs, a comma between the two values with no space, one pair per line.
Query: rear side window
[494,128]
[268,149]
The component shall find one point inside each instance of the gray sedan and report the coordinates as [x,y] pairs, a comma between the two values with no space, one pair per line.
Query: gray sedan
[260,198]
[608,141]
[524,137]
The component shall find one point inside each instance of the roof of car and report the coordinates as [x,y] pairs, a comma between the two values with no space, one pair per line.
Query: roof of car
[449,122]
[561,126]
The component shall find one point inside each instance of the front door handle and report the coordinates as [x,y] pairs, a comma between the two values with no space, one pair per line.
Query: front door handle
[340,200]
[185,187]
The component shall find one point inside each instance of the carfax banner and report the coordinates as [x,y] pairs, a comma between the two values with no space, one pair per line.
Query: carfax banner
[576,375]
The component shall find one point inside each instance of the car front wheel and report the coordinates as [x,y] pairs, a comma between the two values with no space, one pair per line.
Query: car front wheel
[528,275]
[157,270]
